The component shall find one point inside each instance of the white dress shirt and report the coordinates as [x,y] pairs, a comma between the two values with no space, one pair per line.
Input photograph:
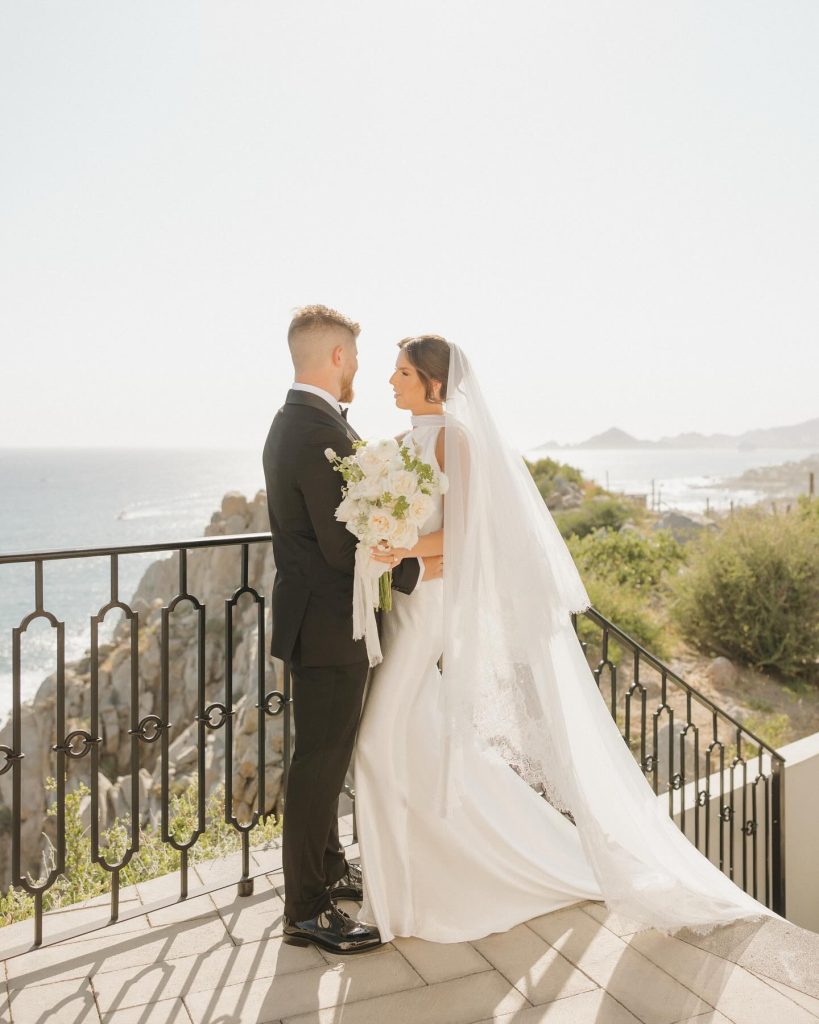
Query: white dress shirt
[332,401]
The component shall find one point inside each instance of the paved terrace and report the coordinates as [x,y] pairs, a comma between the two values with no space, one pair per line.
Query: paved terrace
[219,959]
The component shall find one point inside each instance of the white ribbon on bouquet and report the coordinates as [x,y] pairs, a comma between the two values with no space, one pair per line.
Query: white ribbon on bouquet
[366,599]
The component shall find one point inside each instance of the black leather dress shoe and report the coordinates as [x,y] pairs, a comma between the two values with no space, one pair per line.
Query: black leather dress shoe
[350,886]
[332,930]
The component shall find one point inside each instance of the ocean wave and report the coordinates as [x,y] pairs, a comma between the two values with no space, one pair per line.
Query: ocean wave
[145,513]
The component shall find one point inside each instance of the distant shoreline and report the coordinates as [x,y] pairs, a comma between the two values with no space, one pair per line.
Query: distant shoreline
[804,435]
[658,446]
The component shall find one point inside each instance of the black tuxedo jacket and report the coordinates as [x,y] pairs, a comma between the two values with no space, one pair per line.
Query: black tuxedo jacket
[314,553]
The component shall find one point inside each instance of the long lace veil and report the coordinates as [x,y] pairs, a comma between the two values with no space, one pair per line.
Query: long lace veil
[515,679]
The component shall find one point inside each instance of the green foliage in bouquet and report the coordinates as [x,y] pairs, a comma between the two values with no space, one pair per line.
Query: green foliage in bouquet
[352,472]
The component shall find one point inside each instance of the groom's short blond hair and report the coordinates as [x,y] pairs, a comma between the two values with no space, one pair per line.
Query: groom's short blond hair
[314,331]
[311,317]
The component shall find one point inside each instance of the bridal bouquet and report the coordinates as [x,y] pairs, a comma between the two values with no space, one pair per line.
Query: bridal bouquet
[387,497]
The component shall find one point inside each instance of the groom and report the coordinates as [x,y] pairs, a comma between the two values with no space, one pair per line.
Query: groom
[313,625]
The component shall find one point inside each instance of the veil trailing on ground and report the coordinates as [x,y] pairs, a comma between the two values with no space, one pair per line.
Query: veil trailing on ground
[515,679]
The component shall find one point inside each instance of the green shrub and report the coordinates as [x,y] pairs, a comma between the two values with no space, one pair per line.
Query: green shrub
[627,609]
[630,559]
[545,473]
[625,576]
[807,508]
[751,591]
[84,879]
[598,513]
[775,730]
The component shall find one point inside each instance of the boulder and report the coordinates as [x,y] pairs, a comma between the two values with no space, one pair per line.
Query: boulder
[235,524]
[105,817]
[109,720]
[565,494]
[684,525]
[234,504]
[722,672]
[119,797]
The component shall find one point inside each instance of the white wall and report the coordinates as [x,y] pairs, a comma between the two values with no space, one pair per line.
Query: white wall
[801,827]
[802,831]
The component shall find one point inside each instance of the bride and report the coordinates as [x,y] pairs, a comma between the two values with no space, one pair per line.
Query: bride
[455,843]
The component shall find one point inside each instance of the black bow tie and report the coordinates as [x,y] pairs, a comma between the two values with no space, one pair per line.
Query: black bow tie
[344,412]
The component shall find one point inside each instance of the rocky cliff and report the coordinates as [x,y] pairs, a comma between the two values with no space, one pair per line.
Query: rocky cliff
[213,576]
[786,480]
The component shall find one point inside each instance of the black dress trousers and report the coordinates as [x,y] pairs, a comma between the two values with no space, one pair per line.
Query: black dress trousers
[327,704]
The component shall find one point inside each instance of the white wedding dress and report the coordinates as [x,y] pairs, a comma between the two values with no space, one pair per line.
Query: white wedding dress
[493,852]
[505,855]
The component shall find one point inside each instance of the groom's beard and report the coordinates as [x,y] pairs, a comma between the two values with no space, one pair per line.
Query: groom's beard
[347,393]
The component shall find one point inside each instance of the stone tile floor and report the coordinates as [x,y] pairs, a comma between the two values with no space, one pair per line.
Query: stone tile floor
[219,959]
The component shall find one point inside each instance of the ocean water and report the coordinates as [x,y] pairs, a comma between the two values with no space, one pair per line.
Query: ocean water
[74,498]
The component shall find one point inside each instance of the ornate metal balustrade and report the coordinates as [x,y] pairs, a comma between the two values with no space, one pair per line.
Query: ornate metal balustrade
[725,785]
[693,755]
[144,730]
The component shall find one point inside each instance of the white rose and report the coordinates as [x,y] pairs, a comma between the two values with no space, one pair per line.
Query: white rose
[370,461]
[386,449]
[348,510]
[403,483]
[380,525]
[404,534]
[420,507]
[370,488]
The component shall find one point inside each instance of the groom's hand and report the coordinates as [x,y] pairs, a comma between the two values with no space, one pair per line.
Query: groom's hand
[433,567]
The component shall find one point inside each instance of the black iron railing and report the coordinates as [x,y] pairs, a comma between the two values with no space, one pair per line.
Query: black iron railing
[725,785]
[143,730]
[681,759]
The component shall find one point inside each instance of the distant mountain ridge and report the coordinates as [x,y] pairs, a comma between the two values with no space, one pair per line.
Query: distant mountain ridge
[799,435]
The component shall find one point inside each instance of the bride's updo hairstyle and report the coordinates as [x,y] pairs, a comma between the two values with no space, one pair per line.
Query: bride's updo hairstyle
[429,357]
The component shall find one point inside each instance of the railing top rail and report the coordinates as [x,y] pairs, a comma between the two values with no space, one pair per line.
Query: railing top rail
[135,549]
[647,656]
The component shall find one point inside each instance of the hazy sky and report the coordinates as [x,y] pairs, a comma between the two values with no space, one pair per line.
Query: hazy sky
[612,206]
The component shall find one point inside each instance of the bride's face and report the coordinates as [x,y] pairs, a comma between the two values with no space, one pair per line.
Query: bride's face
[408,388]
